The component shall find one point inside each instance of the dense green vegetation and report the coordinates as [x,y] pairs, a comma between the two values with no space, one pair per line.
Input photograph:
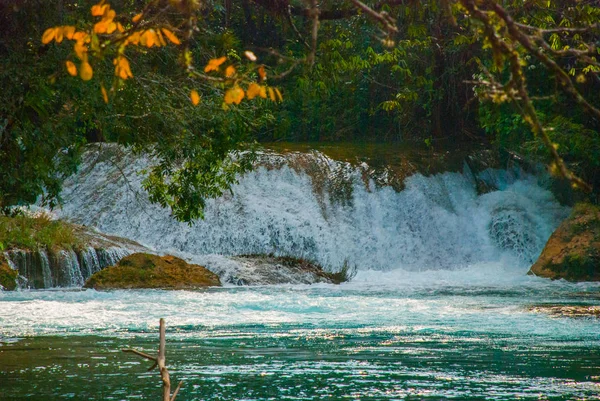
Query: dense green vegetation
[423,71]
[35,232]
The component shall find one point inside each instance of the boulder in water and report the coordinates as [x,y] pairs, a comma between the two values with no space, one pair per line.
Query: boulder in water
[573,250]
[271,269]
[143,270]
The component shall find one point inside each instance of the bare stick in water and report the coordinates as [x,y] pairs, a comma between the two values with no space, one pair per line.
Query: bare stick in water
[161,362]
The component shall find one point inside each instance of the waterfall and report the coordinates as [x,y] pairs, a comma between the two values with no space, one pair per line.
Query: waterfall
[307,205]
[61,268]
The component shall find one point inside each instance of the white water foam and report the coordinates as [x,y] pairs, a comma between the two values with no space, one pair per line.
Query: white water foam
[437,222]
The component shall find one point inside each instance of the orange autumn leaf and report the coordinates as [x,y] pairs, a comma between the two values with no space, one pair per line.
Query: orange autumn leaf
[58,34]
[136,18]
[272,94]
[262,73]
[234,95]
[194,97]
[230,71]
[71,68]
[48,35]
[253,90]
[122,68]
[69,31]
[171,36]
[279,97]
[161,39]
[85,71]
[213,64]
[80,36]
[120,27]
[80,50]
[99,9]
[149,38]
[104,94]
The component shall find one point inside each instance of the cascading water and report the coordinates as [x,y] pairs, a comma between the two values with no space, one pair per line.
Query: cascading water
[445,311]
[61,268]
[309,206]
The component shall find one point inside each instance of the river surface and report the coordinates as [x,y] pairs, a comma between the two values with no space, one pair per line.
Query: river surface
[467,334]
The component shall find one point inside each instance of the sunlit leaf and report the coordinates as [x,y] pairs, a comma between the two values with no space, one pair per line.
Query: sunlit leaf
[249,55]
[230,71]
[69,31]
[136,18]
[272,94]
[85,71]
[99,9]
[122,68]
[262,73]
[71,68]
[279,97]
[48,35]
[104,94]
[80,50]
[58,34]
[171,36]
[194,97]
[253,90]
[234,95]
[213,64]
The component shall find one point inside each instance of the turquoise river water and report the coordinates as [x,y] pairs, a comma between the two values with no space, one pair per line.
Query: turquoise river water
[385,336]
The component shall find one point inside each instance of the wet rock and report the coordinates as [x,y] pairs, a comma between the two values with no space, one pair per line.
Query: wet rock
[573,250]
[8,275]
[270,269]
[143,270]
[575,311]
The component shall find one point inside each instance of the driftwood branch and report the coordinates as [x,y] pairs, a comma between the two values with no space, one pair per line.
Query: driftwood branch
[161,361]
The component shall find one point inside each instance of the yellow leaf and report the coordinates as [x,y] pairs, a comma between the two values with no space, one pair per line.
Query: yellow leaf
[80,36]
[48,35]
[161,40]
[134,38]
[149,38]
[272,94]
[122,69]
[230,71]
[213,64]
[279,97]
[263,92]
[111,27]
[195,97]
[80,50]
[171,36]
[71,68]
[102,26]
[120,27]
[85,71]
[136,18]
[99,9]
[249,55]
[58,34]
[253,91]
[234,95]
[104,94]
[69,31]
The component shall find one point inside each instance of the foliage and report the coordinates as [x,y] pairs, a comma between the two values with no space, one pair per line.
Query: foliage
[182,81]
[35,232]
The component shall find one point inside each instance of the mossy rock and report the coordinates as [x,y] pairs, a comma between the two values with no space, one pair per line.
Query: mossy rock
[8,276]
[142,270]
[573,251]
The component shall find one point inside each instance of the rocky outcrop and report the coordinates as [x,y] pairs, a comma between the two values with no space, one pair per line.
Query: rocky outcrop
[143,270]
[65,266]
[270,269]
[573,250]
[8,275]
